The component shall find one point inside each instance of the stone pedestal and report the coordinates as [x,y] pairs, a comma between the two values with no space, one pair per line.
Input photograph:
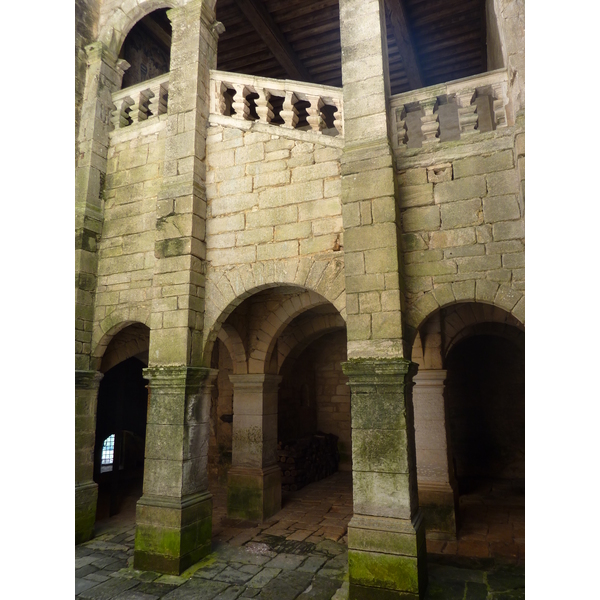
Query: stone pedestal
[174,515]
[254,480]
[86,490]
[437,486]
[386,537]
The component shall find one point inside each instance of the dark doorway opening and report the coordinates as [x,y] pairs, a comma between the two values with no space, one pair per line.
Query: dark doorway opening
[120,438]
[485,399]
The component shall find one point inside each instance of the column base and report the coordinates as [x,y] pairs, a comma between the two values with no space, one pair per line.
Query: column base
[253,494]
[86,498]
[172,534]
[386,558]
[438,503]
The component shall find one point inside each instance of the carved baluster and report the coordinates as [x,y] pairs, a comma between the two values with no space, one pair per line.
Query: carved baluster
[239,102]
[274,104]
[250,97]
[430,126]
[287,110]
[329,107]
[120,117]
[467,112]
[499,104]
[314,113]
[262,108]
[338,121]
[158,102]
[401,129]
[140,110]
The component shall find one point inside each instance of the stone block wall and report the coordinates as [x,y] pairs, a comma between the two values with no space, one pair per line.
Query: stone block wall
[333,393]
[126,247]
[462,209]
[270,197]
[87,13]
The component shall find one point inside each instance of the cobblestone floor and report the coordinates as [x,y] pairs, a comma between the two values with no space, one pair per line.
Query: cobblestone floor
[302,553]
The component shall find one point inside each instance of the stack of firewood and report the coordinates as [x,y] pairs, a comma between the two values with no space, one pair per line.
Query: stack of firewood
[307,459]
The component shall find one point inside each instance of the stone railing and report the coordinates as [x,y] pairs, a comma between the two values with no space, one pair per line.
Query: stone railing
[450,111]
[281,102]
[140,102]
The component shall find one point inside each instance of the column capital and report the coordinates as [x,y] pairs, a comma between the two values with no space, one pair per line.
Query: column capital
[179,378]
[430,377]
[87,380]
[253,380]
[387,370]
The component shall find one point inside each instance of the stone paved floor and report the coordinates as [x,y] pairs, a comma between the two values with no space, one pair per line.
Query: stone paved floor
[301,553]
[492,521]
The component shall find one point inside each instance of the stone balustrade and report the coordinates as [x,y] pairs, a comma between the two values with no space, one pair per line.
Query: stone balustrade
[450,111]
[281,102]
[140,102]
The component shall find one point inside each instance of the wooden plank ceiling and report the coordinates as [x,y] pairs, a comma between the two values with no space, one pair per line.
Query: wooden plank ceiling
[440,40]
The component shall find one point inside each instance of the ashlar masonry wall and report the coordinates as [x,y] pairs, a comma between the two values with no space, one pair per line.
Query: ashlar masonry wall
[269,198]
[126,248]
[463,207]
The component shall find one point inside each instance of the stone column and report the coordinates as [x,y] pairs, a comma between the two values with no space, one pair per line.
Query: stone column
[174,515]
[386,537]
[386,549]
[103,77]
[254,479]
[437,486]
[86,490]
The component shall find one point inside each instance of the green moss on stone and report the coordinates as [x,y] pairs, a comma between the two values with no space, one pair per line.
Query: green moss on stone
[376,570]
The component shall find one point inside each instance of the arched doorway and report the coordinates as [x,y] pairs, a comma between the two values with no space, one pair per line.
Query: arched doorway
[485,396]
[470,430]
[281,410]
[121,424]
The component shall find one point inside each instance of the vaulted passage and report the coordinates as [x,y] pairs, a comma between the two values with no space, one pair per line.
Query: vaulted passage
[280,415]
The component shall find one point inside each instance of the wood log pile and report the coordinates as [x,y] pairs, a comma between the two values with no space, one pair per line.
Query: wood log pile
[307,459]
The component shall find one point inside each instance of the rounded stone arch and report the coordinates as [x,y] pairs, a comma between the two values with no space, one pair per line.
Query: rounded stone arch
[481,319]
[111,325]
[131,341]
[226,290]
[485,292]
[123,18]
[235,346]
[462,320]
[295,340]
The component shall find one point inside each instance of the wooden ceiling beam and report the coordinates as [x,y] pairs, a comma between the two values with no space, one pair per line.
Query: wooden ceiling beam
[399,25]
[267,29]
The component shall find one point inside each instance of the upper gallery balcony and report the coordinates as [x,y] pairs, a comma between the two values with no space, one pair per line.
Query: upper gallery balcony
[280,64]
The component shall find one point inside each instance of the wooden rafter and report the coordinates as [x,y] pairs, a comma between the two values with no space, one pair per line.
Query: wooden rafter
[267,29]
[399,23]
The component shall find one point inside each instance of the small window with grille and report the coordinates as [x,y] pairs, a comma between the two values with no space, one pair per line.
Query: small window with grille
[108,454]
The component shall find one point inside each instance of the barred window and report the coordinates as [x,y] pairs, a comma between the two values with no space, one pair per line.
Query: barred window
[108,454]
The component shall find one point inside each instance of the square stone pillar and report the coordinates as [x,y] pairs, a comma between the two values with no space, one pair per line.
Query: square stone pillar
[86,490]
[438,496]
[254,479]
[103,76]
[174,515]
[386,537]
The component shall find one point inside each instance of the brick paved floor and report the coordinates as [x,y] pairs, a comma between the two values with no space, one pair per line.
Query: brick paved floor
[492,524]
[300,553]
